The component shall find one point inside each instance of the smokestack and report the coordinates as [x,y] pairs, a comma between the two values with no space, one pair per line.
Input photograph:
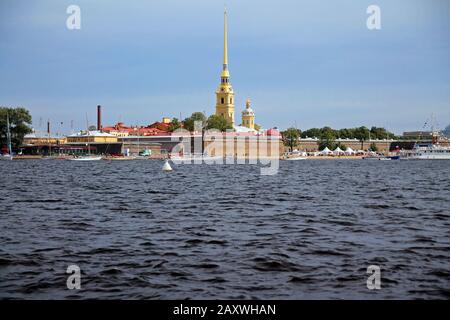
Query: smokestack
[99,118]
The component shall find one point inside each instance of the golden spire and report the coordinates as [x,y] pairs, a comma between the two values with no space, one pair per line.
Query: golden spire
[225,41]
[225,72]
[224,93]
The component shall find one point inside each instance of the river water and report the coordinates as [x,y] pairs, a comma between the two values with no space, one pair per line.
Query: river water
[225,231]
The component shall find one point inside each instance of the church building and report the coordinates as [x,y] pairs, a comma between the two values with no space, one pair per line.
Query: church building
[225,94]
[248,116]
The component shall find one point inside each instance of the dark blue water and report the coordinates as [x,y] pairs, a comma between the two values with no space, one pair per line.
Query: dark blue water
[206,231]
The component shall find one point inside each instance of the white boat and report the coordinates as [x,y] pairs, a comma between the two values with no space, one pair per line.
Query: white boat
[427,152]
[382,158]
[295,155]
[295,158]
[86,158]
[196,158]
[6,157]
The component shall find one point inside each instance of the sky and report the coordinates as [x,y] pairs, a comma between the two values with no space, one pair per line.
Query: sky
[309,63]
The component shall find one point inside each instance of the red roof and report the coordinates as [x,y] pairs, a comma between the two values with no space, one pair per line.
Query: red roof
[273,132]
[160,129]
[160,125]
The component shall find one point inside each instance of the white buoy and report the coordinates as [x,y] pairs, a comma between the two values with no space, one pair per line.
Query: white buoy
[166,166]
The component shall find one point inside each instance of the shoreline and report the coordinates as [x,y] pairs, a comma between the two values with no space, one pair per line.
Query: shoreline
[334,158]
[131,158]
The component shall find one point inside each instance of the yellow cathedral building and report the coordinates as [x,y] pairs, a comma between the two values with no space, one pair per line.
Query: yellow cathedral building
[248,116]
[225,93]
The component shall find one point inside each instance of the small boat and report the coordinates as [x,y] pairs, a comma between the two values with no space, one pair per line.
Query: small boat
[6,157]
[382,158]
[86,158]
[295,158]
[295,155]
[196,158]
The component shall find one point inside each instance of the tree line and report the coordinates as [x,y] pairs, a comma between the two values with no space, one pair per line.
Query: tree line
[359,133]
[212,122]
[327,136]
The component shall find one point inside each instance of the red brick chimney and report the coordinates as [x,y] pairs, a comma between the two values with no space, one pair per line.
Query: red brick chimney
[99,118]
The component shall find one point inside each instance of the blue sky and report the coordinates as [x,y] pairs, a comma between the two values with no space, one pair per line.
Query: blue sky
[302,63]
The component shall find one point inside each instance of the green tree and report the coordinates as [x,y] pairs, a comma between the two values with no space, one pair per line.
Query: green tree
[290,138]
[311,133]
[362,133]
[345,133]
[20,121]
[174,125]
[189,123]
[377,133]
[328,132]
[219,123]
[381,133]
[327,139]
[373,147]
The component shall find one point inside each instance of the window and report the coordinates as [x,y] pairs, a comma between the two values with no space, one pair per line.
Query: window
[221,100]
[231,100]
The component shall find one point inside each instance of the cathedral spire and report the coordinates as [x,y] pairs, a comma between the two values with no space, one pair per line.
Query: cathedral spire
[225,41]
[225,94]
[225,73]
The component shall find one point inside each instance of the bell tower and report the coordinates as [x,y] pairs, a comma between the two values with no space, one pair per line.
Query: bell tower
[248,116]
[224,93]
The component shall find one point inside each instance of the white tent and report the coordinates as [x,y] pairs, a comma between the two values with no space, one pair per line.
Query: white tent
[326,151]
[338,151]
[349,151]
